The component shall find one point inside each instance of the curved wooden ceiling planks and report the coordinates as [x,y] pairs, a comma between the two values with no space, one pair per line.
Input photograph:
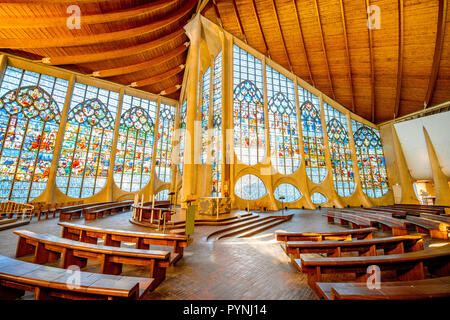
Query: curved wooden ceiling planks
[379,74]
[123,41]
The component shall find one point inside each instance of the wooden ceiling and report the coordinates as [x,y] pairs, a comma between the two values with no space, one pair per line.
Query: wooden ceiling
[138,43]
[377,73]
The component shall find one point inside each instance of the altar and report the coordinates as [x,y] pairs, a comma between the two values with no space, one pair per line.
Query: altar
[214,206]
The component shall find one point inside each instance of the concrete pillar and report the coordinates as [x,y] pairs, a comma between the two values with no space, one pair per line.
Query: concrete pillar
[193,31]
[406,181]
[439,178]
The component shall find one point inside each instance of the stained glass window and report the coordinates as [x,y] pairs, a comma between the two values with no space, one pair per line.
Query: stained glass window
[288,191]
[371,163]
[250,187]
[284,143]
[313,140]
[30,114]
[163,195]
[216,142]
[132,169]
[181,143]
[164,145]
[204,113]
[318,198]
[86,150]
[341,161]
[248,113]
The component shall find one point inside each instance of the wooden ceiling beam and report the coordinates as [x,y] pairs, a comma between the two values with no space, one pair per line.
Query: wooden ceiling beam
[255,12]
[398,93]
[281,34]
[58,42]
[170,90]
[142,66]
[347,53]
[157,78]
[114,54]
[372,70]
[216,11]
[442,16]
[236,12]
[303,41]
[45,22]
[324,48]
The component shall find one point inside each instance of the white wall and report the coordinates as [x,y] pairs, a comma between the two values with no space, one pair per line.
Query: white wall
[411,136]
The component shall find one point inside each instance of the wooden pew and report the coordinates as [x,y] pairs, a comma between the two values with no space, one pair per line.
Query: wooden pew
[408,266]
[47,283]
[435,288]
[346,218]
[436,229]
[46,247]
[93,212]
[397,226]
[366,233]
[67,213]
[113,237]
[392,245]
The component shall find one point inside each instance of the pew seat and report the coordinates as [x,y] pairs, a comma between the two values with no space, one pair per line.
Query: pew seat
[48,283]
[434,288]
[46,247]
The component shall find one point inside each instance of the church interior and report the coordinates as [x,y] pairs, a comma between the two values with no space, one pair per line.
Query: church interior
[225,150]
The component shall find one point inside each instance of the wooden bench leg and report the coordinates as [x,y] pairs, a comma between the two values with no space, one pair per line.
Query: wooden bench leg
[110,242]
[372,251]
[85,238]
[23,248]
[109,267]
[417,246]
[436,234]
[399,232]
[10,293]
[158,273]
[330,219]
[344,222]
[41,254]
[414,273]
[41,294]
[69,259]
[66,234]
[398,249]
[141,245]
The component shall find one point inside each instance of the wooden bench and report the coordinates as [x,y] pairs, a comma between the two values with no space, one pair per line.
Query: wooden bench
[408,266]
[441,218]
[67,213]
[47,283]
[113,237]
[46,247]
[396,226]
[93,212]
[346,218]
[284,237]
[436,229]
[392,245]
[435,288]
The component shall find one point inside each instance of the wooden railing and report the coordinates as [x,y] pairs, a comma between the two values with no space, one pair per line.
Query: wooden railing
[9,209]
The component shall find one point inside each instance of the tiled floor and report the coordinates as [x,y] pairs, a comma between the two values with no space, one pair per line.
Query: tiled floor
[254,268]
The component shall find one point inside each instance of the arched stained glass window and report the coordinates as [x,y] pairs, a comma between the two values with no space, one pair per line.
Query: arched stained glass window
[288,191]
[163,195]
[181,142]
[341,161]
[164,145]
[132,169]
[204,113]
[86,150]
[284,143]
[29,122]
[248,113]
[216,142]
[250,187]
[318,198]
[313,142]
[371,163]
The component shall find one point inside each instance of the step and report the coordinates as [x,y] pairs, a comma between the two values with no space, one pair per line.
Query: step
[237,224]
[13,225]
[261,229]
[257,224]
[7,221]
